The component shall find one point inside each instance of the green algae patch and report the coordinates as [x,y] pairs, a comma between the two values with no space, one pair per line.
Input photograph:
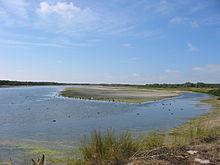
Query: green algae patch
[55,152]
[5,163]
[39,150]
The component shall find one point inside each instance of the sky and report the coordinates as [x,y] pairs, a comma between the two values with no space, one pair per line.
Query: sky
[114,41]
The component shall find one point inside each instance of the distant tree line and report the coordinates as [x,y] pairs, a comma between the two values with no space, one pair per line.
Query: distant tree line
[164,85]
[184,85]
[28,83]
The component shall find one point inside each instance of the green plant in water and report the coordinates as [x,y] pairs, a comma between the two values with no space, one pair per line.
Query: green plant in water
[40,161]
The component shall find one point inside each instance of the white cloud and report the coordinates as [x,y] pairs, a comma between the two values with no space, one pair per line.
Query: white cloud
[211,68]
[184,21]
[171,71]
[177,20]
[192,47]
[200,6]
[56,43]
[15,8]
[65,10]
[211,20]
[132,60]
[162,7]
[194,24]
[136,75]
[127,45]
[14,42]
[4,18]
[65,17]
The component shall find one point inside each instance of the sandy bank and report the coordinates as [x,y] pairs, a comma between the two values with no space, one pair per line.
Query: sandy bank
[120,94]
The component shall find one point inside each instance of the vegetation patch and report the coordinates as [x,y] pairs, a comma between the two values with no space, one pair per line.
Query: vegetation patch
[109,149]
[5,163]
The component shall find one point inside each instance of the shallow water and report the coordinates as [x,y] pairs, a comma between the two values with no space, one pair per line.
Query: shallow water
[37,114]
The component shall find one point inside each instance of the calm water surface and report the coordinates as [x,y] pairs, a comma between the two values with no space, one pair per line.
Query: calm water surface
[38,114]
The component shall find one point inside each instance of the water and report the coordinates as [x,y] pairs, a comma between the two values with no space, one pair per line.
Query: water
[29,115]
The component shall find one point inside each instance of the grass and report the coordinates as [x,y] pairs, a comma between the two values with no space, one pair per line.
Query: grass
[108,148]
[215,92]
[153,140]
[111,149]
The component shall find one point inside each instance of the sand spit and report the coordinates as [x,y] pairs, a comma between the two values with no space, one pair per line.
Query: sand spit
[121,94]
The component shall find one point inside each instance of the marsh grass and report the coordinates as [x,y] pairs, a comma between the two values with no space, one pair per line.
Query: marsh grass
[108,148]
[111,149]
[153,140]
[190,135]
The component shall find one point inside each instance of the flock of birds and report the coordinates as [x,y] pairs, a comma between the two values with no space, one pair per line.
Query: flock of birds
[164,107]
[98,113]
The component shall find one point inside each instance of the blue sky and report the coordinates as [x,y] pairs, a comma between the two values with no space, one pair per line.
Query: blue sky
[114,41]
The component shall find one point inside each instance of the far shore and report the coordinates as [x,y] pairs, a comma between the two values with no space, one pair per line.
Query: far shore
[118,94]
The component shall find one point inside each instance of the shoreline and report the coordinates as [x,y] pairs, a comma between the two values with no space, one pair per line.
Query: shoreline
[200,135]
[212,118]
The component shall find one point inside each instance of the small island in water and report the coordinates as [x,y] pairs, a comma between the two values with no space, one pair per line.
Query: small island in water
[118,94]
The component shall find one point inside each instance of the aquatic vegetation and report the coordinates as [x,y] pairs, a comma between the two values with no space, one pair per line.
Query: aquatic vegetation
[37,150]
[5,163]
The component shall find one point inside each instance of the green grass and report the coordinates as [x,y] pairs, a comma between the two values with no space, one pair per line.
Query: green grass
[215,92]
[108,148]
[187,135]
[153,140]
[5,163]
[112,149]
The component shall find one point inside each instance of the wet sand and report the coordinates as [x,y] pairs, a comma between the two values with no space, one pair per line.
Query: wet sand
[120,94]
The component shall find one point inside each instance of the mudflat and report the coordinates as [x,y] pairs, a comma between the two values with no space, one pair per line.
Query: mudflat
[121,94]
